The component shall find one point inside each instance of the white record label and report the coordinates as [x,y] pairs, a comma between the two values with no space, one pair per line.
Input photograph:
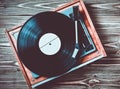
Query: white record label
[49,44]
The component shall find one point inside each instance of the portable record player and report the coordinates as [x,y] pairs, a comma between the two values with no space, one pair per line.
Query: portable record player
[90,47]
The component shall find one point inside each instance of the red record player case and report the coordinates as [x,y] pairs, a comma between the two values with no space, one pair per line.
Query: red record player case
[99,53]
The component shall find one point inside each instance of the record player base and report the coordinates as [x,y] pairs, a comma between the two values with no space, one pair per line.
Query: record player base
[99,53]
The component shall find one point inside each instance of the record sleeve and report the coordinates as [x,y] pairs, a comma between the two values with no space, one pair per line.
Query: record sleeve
[96,52]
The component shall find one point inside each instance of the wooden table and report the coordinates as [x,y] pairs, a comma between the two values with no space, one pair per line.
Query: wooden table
[102,74]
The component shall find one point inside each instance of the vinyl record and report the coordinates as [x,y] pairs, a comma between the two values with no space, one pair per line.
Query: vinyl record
[46,43]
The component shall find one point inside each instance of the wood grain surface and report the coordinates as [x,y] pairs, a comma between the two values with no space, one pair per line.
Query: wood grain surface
[102,74]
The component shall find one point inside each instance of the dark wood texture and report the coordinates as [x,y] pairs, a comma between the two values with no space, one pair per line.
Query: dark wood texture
[102,74]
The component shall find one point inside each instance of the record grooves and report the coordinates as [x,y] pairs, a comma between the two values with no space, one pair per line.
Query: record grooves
[52,24]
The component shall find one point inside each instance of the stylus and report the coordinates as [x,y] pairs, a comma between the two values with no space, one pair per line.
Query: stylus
[75,13]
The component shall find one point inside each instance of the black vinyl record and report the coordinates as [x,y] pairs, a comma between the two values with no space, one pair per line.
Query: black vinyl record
[54,24]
